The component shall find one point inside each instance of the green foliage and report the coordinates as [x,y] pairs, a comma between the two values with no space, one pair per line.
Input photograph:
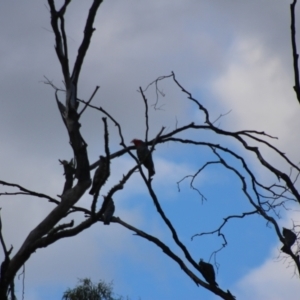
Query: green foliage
[87,290]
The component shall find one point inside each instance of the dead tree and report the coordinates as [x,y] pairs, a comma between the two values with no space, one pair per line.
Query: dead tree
[266,200]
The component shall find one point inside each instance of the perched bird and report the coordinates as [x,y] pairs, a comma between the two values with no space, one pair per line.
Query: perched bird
[289,239]
[109,212]
[208,272]
[144,155]
[69,174]
[100,176]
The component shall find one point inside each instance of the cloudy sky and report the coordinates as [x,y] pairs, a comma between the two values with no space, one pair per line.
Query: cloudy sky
[233,56]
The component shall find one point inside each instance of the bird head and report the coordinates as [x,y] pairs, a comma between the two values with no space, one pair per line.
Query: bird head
[64,162]
[136,142]
[102,158]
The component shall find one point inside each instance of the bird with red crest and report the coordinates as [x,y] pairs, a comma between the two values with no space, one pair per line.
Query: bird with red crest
[144,155]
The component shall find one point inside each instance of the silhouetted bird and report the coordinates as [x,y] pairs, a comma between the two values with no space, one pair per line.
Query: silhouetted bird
[208,272]
[109,212]
[289,238]
[144,155]
[69,174]
[100,176]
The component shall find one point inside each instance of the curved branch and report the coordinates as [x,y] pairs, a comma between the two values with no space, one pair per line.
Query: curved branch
[146,114]
[88,32]
[27,192]
[172,255]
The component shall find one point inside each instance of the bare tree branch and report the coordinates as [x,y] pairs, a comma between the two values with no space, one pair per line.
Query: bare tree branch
[172,255]
[294,51]
[89,101]
[88,31]
[268,200]
[28,192]
[146,114]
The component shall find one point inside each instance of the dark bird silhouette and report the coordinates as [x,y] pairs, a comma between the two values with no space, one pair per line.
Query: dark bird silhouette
[208,272]
[109,212]
[100,176]
[69,174]
[289,239]
[144,155]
